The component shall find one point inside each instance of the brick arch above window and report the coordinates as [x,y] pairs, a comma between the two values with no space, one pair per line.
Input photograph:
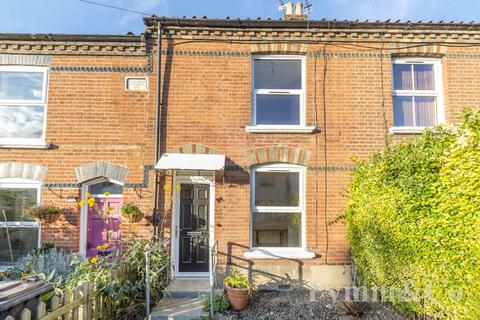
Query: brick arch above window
[28,171]
[194,148]
[98,169]
[279,48]
[278,155]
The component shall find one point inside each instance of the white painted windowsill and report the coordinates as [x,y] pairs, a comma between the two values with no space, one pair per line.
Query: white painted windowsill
[278,254]
[407,130]
[23,145]
[280,129]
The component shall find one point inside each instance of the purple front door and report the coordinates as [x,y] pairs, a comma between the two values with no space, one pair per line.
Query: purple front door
[99,228]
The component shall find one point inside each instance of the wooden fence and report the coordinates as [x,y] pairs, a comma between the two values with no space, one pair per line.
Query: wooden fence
[82,303]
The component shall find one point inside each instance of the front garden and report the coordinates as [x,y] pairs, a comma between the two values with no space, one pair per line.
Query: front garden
[118,274]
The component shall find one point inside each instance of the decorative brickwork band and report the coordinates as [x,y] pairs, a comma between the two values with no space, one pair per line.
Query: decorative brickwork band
[195,148]
[97,169]
[285,48]
[278,154]
[23,170]
[25,60]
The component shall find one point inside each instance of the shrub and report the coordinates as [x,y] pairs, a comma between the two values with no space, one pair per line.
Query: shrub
[413,219]
[46,262]
[120,277]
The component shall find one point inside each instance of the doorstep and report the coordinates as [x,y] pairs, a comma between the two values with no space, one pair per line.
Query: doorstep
[188,288]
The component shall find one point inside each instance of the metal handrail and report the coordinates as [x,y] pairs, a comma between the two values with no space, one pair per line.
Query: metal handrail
[213,275]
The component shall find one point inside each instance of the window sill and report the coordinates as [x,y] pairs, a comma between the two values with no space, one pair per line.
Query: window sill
[278,254]
[25,146]
[280,129]
[406,130]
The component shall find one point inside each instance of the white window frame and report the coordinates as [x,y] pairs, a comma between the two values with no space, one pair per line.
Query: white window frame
[35,142]
[279,252]
[18,183]
[262,128]
[437,93]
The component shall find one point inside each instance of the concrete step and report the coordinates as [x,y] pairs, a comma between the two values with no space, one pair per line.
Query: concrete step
[189,288]
[179,309]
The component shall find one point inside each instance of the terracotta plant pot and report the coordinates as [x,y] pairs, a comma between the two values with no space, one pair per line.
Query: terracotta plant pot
[238,297]
[134,218]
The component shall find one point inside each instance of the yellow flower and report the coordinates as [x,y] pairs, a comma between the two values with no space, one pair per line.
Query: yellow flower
[91,202]
[105,246]
[178,188]
[109,209]
[106,193]
[165,187]
[93,260]
[87,195]
[81,203]
[99,247]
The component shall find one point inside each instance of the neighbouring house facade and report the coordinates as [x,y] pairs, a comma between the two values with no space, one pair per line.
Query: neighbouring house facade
[74,119]
[259,121]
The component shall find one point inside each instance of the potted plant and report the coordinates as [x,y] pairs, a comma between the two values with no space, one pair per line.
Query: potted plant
[238,290]
[45,214]
[132,213]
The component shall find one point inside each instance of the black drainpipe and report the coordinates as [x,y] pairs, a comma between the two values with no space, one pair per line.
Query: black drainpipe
[155,217]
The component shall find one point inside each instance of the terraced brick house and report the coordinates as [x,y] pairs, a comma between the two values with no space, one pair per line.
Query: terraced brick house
[258,121]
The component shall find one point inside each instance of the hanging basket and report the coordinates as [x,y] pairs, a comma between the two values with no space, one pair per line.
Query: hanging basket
[134,218]
[50,217]
[45,214]
[131,213]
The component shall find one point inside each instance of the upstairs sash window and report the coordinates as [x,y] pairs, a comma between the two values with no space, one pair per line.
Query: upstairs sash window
[23,105]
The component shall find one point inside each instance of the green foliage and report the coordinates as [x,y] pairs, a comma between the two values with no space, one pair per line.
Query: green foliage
[120,276]
[236,280]
[130,210]
[413,220]
[45,263]
[220,304]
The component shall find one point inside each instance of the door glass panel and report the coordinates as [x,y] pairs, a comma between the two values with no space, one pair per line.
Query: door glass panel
[21,122]
[187,217]
[15,201]
[278,109]
[202,216]
[23,241]
[276,230]
[186,249]
[277,189]
[106,186]
[202,250]
[187,193]
[21,85]
[202,194]
[278,74]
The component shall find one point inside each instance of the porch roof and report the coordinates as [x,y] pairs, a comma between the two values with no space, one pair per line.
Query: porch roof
[188,161]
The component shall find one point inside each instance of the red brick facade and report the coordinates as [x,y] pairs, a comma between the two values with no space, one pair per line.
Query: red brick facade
[206,100]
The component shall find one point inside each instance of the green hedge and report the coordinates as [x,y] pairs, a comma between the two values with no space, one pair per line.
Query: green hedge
[413,219]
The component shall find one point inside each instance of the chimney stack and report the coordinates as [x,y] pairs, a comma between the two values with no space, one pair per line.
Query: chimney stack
[299,9]
[297,15]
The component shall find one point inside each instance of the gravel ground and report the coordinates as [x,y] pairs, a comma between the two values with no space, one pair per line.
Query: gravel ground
[296,304]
